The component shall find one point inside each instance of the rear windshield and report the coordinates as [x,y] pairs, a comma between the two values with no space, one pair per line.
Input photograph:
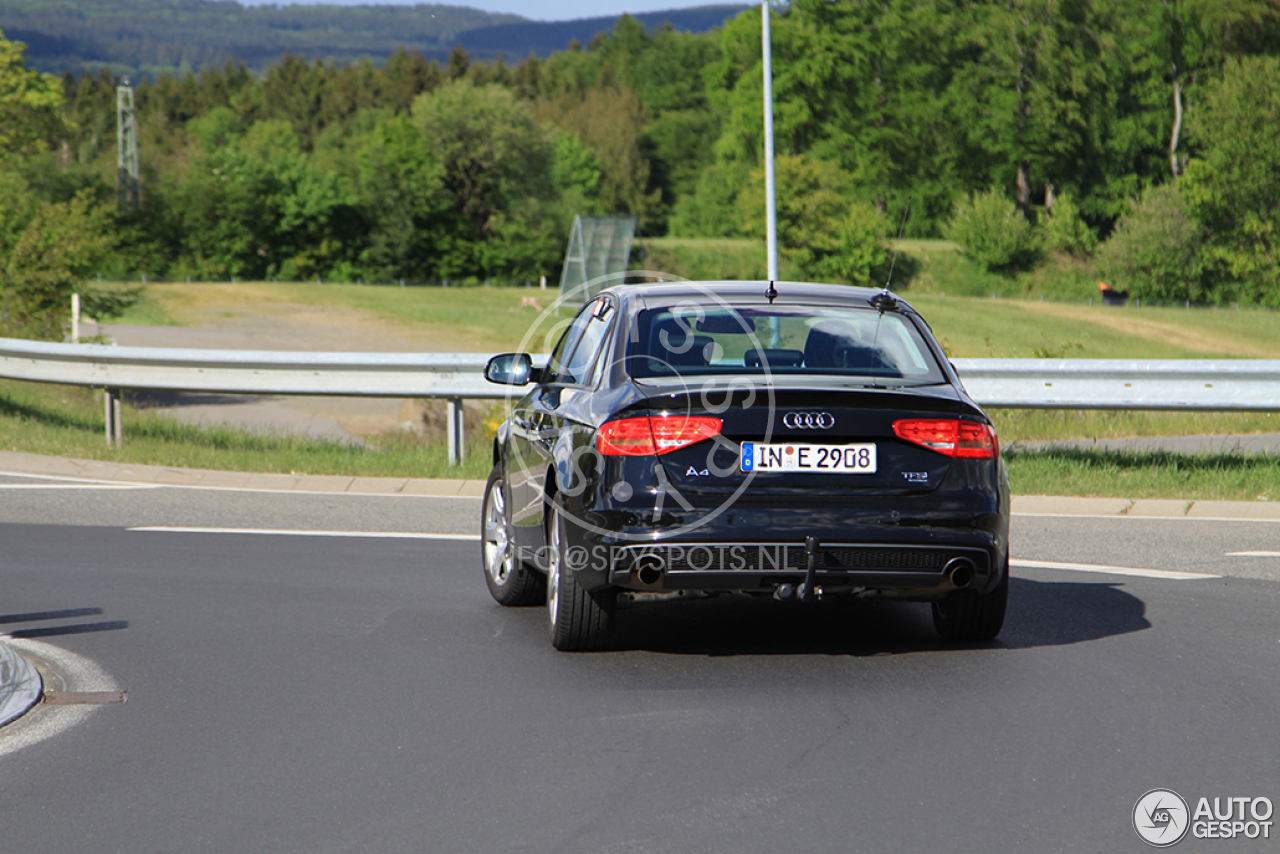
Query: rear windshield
[695,340]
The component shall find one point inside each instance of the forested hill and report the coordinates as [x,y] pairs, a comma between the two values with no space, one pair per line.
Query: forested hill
[546,37]
[149,37]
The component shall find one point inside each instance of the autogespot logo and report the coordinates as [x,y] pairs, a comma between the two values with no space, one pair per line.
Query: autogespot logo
[1160,817]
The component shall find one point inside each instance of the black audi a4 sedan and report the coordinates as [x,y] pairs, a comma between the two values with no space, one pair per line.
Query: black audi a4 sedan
[790,440]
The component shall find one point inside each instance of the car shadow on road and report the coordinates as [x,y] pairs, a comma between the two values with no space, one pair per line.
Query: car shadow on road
[1041,613]
[63,629]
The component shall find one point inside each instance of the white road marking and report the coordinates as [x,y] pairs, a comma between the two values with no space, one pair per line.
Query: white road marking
[53,477]
[1111,570]
[78,486]
[329,494]
[1253,554]
[91,483]
[283,532]
[69,482]
[1144,518]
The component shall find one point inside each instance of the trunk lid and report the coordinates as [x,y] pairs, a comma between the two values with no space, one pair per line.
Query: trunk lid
[799,418]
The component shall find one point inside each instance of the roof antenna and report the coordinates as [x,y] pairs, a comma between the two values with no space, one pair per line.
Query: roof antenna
[772,293]
[885,299]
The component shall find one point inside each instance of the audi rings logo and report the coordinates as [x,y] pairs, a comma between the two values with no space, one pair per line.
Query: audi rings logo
[809,420]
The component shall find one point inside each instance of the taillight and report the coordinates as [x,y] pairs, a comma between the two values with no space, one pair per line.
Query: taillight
[659,434]
[964,439]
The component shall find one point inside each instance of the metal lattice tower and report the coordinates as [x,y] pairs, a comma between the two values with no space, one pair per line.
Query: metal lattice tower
[599,246]
[127,146]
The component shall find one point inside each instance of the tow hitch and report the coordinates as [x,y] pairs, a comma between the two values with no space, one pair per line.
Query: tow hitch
[809,590]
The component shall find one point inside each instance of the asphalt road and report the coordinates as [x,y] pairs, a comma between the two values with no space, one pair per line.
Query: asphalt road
[364,694]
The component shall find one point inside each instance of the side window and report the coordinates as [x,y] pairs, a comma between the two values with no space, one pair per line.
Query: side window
[577,369]
[564,347]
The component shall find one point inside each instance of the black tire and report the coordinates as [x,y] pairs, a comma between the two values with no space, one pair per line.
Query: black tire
[966,615]
[578,620]
[510,582]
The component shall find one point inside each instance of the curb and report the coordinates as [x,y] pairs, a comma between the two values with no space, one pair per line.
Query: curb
[1146,508]
[20,685]
[13,462]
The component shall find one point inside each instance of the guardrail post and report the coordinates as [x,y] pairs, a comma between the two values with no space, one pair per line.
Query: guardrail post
[454,416]
[111,401]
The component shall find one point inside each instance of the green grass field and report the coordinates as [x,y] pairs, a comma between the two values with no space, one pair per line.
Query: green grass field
[479,319]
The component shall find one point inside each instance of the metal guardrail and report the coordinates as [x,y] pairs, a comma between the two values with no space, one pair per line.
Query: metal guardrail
[1173,384]
[1205,385]
[452,376]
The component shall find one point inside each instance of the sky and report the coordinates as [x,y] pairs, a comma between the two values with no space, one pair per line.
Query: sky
[546,10]
[564,10]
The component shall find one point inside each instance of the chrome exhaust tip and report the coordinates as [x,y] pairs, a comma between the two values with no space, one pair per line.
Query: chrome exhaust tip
[960,571]
[648,572]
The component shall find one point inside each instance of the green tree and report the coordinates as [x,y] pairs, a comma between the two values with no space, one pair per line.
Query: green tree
[496,163]
[48,261]
[405,202]
[1156,250]
[577,175]
[1063,230]
[863,255]
[818,228]
[611,123]
[711,208]
[296,91]
[871,83]
[1033,97]
[991,231]
[405,76]
[261,208]
[30,104]
[459,62]
[1233,188]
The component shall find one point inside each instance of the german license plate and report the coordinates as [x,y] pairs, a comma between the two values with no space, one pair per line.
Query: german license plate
[818,459]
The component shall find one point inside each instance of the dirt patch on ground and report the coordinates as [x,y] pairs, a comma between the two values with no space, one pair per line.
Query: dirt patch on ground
[243,317]
[1154,330]
[246,319]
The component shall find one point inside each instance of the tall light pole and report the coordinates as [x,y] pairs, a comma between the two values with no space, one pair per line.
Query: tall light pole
[770,198]
[126,147]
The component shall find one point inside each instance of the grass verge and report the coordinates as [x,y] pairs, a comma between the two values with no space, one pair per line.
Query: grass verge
[1042,425]
[67,421]
[1122,474]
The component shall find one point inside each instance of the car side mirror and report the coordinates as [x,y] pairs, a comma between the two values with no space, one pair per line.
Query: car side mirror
[510,369]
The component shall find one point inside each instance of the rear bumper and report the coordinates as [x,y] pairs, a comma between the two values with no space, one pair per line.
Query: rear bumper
[837,567]
[757,550]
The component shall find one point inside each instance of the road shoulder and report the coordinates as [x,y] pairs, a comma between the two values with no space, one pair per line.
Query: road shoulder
[36,465]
